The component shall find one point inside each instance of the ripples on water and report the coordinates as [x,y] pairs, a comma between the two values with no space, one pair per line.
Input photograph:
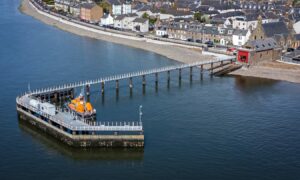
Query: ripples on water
[217,128]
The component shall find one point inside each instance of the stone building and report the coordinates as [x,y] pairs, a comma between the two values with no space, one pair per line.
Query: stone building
[279,31]
[91,12]
[259,50]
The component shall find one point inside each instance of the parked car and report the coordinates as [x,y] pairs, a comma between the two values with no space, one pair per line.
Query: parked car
[165,36]
[190,40]
[291,49]
[209,43]
[198,41]
[232,50]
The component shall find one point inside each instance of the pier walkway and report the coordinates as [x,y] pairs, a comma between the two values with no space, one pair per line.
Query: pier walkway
[130,75]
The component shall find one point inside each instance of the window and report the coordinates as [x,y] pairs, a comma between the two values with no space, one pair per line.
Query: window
[240,37]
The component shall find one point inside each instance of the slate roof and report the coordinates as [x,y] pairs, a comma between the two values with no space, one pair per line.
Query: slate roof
[240,32]
[140,20]
[274,28]
[297,37]
[263,44]
[88,5]
[120,17]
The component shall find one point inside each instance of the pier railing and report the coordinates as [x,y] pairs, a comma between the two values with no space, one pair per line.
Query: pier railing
[88,126]
[125,76]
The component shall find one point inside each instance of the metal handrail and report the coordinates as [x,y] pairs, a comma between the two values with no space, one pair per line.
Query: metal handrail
[124,76]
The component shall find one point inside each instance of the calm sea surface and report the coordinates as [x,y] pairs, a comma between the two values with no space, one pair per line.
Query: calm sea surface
[215,128]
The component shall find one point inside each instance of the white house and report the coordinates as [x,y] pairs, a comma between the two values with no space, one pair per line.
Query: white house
[161,31]
[117,9]
[124,21]
[62,5]
[240,37]
[126,8]
[106,20]
[250,21]
[140,25]
[120,7]
[75,10]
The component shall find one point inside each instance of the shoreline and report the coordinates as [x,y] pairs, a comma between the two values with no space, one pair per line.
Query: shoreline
[169,50]
[180,53]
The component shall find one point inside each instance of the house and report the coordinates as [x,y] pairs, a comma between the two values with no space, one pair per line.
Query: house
[91,12]
[161,31]
[106,20]
[240,37]
[124,21]
[62,5]
[75,10]
[249,21]
[119,7]
[256,51]
[140,25]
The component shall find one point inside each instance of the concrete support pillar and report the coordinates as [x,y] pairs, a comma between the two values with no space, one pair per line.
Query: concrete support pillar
[144,83]
[130,85]
[156,80]
[179,74]
[117,89]
[88,92]
[169,78]
[102,88]
[191,73]
[117,85]
[144,80]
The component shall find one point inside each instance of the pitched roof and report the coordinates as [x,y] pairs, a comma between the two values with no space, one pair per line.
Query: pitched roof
[263,44]
[88,5]
[140,20]
[240,32]
[274,28]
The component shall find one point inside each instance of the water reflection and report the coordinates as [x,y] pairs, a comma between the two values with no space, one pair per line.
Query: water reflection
[253,83]
[118,154]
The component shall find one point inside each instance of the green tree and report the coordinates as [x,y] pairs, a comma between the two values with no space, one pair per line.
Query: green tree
[145,16]
[105,6]
[197,16]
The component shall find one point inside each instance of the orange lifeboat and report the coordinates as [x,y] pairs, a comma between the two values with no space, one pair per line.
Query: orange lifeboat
[81,107]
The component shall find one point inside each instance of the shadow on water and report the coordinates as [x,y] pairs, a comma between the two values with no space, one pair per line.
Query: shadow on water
[105,154]
[253,83]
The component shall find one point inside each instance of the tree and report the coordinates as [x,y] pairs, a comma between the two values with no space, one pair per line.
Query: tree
[197,16]
[145,16]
